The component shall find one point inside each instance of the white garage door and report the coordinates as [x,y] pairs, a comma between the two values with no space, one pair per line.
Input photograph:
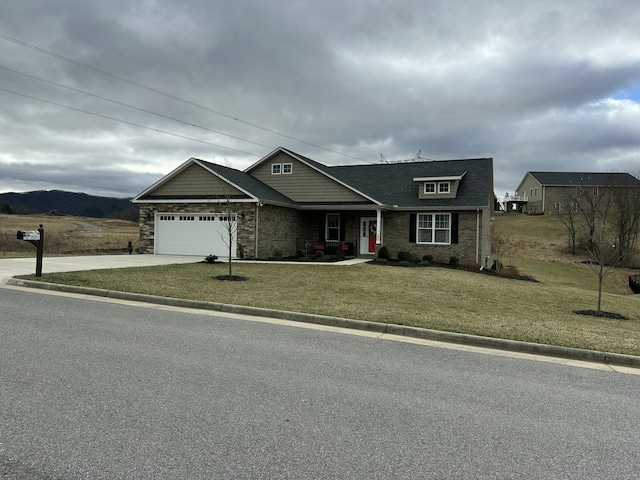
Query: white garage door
[193,234]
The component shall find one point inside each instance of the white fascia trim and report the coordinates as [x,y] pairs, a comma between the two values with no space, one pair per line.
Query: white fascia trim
[224,179]
[439,179]
[302,160]
[197,200]
[163,180]
[336,180]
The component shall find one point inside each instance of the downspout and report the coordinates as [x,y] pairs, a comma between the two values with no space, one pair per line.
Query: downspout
[477,235]
[379,226]
[543,198]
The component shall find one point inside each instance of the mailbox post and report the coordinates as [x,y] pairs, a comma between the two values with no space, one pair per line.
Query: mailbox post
[36,238]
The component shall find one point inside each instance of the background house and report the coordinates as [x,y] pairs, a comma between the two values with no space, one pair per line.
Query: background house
[286,202]
[547,192]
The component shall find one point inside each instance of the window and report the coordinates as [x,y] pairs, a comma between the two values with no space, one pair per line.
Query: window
[535,192]
[287,168]
[434,228]
[186,218]
[595,191]
[558,207]
[578,191]
[333,226]
[276,169]
[430,187]
[443,187]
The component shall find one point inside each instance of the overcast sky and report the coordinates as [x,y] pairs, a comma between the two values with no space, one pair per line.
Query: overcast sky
[106,96]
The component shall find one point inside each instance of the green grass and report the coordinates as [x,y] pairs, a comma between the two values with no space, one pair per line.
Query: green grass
[435,298]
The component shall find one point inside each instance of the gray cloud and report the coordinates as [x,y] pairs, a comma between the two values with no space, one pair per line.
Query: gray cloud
[538,85]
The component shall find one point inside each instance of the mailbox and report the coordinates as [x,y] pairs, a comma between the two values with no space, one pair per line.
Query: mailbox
[28,235]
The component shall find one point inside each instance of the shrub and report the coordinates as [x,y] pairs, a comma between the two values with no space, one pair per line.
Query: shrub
[340,253]
[383,253]
[299,254]
[381,261]
[319,254]
[404,256]
[277,253]
[424,263]
[427,258]
[453,260]
[404,263]
[211,258]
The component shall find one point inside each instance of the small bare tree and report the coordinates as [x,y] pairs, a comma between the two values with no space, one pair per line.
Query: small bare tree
[625,196]
[501,245]
[605,256]
[568,215]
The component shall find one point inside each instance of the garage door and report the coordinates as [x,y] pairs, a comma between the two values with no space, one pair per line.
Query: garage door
[193,234]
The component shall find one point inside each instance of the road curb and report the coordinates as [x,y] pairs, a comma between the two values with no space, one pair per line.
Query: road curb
[382,328]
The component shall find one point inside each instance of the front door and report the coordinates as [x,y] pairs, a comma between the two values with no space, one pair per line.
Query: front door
[368,228]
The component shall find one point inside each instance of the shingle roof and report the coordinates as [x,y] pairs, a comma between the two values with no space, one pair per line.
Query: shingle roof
[392,183]
[581,178]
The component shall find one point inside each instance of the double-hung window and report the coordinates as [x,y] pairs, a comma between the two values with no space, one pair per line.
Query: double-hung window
[276,169]
[443,187]
[333,226]
[434,228]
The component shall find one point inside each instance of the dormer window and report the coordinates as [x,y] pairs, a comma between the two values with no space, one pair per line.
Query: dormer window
[430,187]
[443,187]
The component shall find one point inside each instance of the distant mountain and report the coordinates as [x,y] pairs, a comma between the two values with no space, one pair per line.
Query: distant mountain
[65,203]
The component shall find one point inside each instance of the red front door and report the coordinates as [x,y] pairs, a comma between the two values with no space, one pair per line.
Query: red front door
[372,235]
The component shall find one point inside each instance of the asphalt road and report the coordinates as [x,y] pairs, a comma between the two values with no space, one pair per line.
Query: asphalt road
[98,390]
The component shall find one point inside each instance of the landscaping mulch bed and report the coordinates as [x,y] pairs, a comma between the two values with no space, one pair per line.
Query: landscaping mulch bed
[231,278]
[601,314]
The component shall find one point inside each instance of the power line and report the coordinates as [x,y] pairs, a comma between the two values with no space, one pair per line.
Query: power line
[167,95]
[77,90]
[50,102]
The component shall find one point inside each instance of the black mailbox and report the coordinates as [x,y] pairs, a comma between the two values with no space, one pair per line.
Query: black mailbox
[20,235]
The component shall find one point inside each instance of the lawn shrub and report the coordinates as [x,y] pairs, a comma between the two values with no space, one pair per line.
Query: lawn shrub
[404,263]
[454,261]
[299,254]
[427,258]
[383,253]
[404,256]
[277,253]
[319,254]
[339,254]
[381,261]
[211,258]
[424,263]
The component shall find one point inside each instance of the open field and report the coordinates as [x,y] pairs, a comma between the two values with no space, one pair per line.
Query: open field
[67,235]
[436,298]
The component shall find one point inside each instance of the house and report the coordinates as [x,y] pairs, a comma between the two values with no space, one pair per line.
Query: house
[547,192]
[287,203]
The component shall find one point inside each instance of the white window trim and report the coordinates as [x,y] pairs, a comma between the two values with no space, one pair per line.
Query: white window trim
[274,167]
[441,184]
[433,184]
[326,227]
[284,168]
[433,229]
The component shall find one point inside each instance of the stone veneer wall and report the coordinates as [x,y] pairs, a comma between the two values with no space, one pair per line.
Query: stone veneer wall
[396,238]
[278,229]
[244,211]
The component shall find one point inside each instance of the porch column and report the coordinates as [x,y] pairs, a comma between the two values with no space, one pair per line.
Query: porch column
[378,226]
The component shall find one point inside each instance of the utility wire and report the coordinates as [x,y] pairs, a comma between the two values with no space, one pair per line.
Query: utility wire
[77,90]
[50,102]
[167,95]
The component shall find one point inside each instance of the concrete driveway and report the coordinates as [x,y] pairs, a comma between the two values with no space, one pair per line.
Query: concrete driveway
[10,267]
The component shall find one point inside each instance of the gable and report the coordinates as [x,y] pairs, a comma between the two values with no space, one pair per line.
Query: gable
[303,184]
[193,182]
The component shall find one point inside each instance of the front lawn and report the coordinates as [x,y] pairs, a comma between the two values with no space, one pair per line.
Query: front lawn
[432,297]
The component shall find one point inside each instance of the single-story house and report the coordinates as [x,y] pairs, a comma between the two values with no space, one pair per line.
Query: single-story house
[547,192]
[286,203]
